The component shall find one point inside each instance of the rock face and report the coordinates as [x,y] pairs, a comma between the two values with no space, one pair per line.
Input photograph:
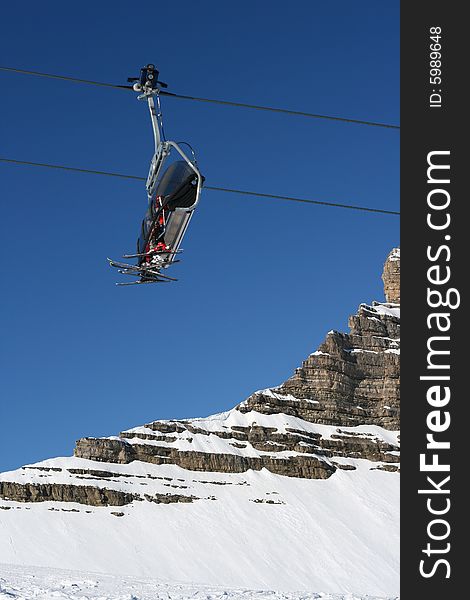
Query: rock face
[122,451]
[352,379]
[90,495]
[391,276]
[340,405]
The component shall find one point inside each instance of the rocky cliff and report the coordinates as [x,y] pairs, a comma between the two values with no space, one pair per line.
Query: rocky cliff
[391,276]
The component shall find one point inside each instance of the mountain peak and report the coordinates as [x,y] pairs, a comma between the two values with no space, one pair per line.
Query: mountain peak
[391,276]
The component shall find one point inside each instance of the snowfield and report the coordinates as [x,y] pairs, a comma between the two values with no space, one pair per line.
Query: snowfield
[254,529]
[28,583]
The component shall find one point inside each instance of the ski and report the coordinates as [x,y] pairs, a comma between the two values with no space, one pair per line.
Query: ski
[140,281]
[151,253]
[146,272]
[121,265]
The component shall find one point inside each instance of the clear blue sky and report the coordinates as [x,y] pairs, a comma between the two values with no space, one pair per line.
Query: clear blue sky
[261,281]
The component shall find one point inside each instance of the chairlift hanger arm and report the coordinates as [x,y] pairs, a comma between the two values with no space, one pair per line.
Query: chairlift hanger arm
[149,88]
[161,147]
[156,122]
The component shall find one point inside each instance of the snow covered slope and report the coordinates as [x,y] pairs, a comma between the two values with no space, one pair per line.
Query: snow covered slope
[22,583]
[296,488]
[253,529]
